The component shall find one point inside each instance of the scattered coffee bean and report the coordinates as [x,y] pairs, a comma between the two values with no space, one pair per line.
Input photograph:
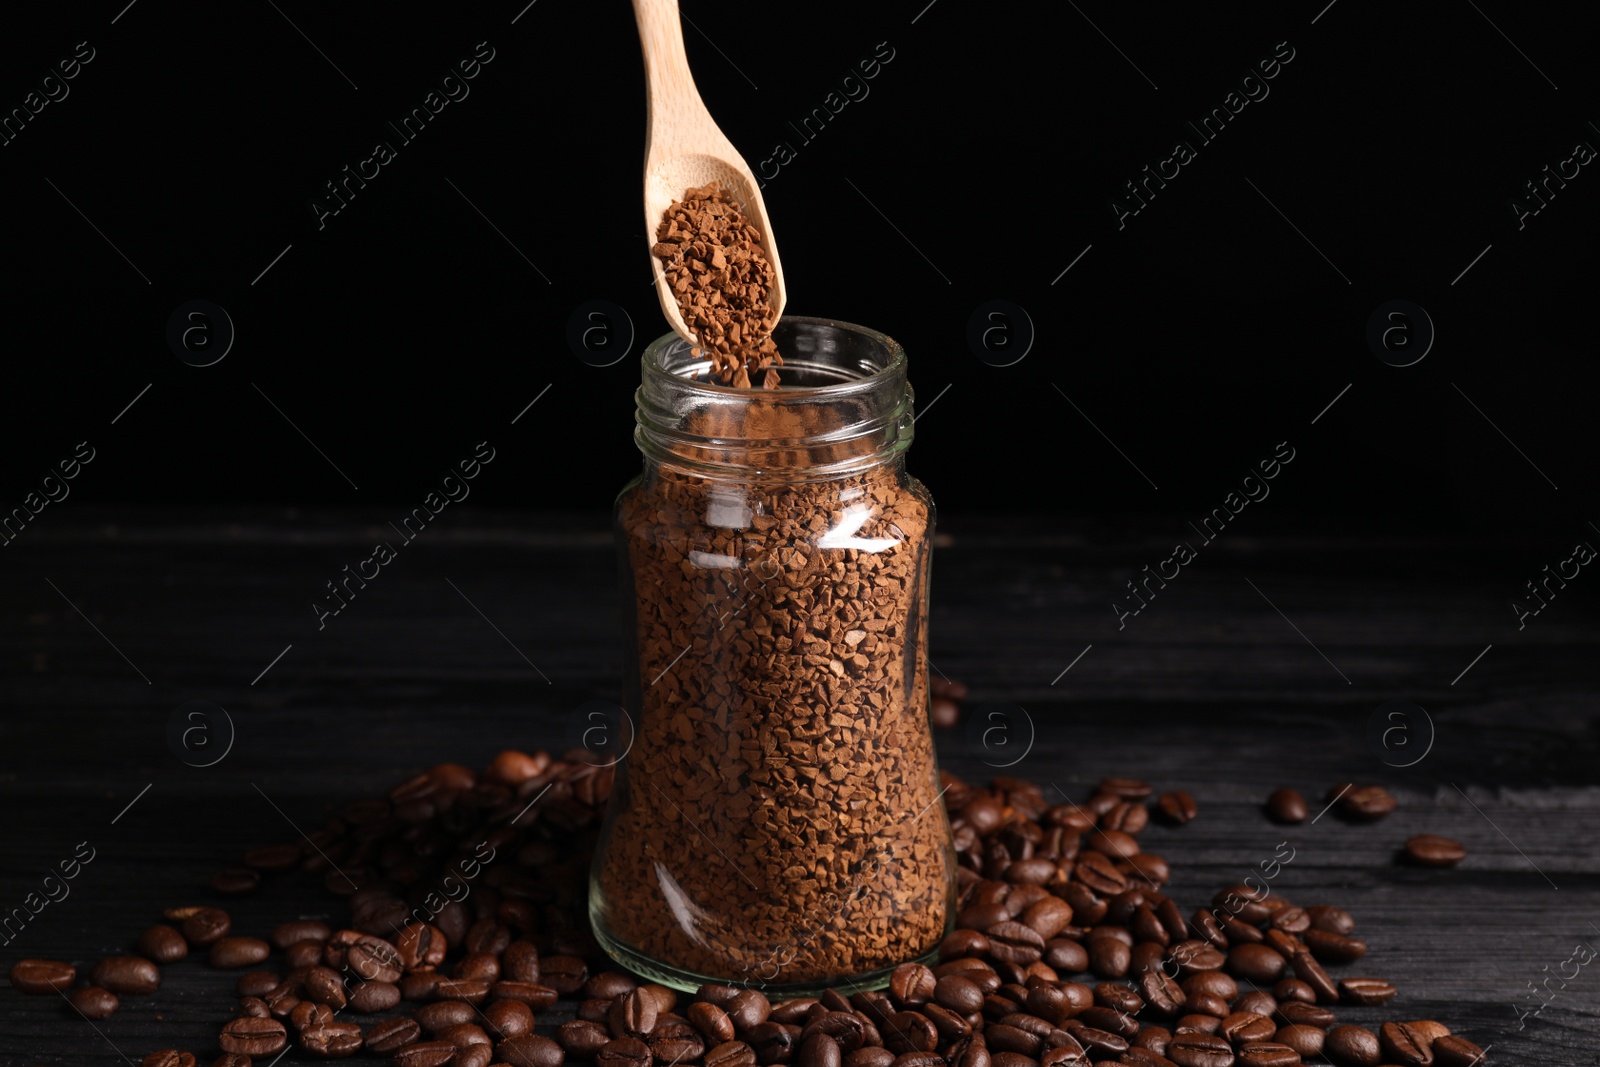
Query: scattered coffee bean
[1366,803]
[126,975]
[168,1057]
[163,944]
[236,881]
[1177,808]
[1431,850]
[1455,1051]
[1366,991]
[391,1035]
[40,977]
[206,926]
[436,1054]
[250,1036]
[231,952]
[330,1040]
[1354,1046]
[93,1002]
[1286,805]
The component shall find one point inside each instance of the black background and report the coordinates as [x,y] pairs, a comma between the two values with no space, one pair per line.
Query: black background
[1226,317]
[1196,338]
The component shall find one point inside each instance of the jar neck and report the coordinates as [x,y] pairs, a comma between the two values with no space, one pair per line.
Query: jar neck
[844,405]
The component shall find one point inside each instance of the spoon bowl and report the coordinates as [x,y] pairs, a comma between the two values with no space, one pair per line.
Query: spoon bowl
[685,149]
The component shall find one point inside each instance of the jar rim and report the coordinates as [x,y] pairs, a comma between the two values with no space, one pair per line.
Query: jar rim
[654,365]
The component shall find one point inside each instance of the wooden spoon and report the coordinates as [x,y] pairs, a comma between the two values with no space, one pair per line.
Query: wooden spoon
[684,149]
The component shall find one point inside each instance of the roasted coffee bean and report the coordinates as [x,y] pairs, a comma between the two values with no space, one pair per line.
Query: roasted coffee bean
[1354,1046]
[257,983]
[429,1054]
[796,1010]
[998,1059]
[123,975]
[1129,817]
[1366,803]
[1286,805]
[1177,808]
[1334,948]
[1152,1039]
[1199,1050]
[1214,983]
[248,1036]
[163,944]
[471,990]
[1099,1044]
[1402,1043]
[1162,993]
[478,965]
[1012,942]
[464,1035]
[711,1021]
[231,1059]
[508,1018]
[1047,917]
[772,1042]
[958,993]
[369,997]
[168,1057]
[910,1031]
[1305,1014]
[392,1034]
[254,1007]
[1333,920]
[1030,872]
[1127,788]
[582,1038]
[231,952]
[632,1014]
[747,1008]
[1098,872]
[1266,1054]
[564,974]
[1002,1038]
[1309,971]
[206,926]
[607,985]
[1258,1001]
[819,1050]
[93,1002]
[235,881]
[535,1050]
[1193,957]
[1454,1051]
[1109,957]
[869,1056]
[1256,963]
[1207,1004]
[374,959]
[326,986]
[330,1040]
[1305,1040]
[307,953]
[1117,1022]
[1431,850]
[419,985]
[1286,945]
[533,994]
[1063,1056]
[39,977]
[1366,990]
[289,933]
[442,1013]
[673,1048]
[309,1013]
[727,1054]
[1293,989]
[1195,1023]
[1244,1026]
[848,1029]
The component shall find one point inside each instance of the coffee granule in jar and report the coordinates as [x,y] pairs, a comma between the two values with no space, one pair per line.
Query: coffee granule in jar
[779,823]
[723,283]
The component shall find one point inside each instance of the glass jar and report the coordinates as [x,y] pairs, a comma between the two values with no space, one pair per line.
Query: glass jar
[777,821]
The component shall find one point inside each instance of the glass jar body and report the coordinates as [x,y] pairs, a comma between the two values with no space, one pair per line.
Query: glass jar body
[776,821]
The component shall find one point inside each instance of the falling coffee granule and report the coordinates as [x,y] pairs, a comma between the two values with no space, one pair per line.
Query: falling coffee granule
[723,283]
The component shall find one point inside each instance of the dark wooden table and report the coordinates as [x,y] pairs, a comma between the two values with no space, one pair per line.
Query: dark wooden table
[1261,665]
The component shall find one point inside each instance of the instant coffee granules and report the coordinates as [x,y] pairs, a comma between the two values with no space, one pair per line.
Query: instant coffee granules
[508,973]
[723,283]
[777,819]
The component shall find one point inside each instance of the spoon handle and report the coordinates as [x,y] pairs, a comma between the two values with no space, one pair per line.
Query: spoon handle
[674,102]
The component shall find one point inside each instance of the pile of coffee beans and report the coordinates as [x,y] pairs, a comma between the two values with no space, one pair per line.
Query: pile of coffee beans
[467,925]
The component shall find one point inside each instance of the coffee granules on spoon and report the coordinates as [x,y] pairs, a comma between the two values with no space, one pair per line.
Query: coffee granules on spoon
[723,283]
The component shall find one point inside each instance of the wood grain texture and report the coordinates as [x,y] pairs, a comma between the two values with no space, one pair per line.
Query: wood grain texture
[1209,689]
